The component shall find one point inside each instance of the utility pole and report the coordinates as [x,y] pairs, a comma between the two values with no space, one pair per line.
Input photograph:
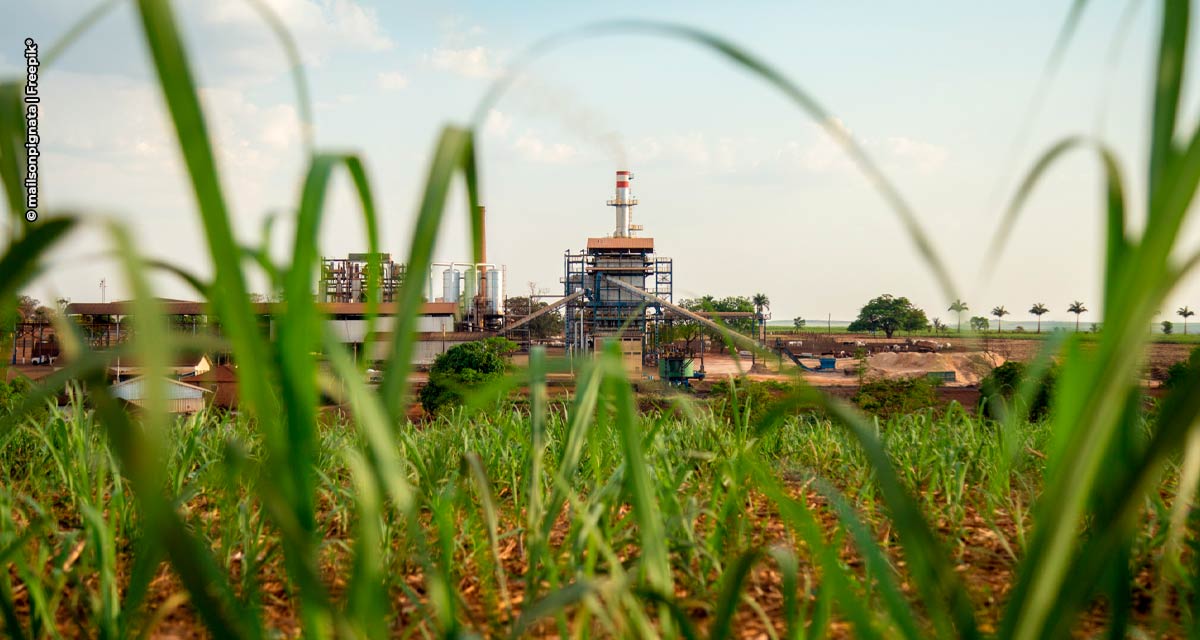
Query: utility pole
[103,287]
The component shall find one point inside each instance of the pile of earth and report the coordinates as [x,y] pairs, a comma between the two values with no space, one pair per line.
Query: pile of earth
[969,368]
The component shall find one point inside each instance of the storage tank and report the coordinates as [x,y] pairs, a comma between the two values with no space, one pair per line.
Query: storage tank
[470,286]
[450,282]
[495,292]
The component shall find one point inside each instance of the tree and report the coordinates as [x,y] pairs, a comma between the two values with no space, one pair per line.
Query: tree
[958,307]
[798,322]
[675,330]
[1039,310]
[999,312]
[1185,313]
[740,304]
[1077,308]
[761,302]
[1167,327]
[938,327]
[544,326]
[888,313]
[979,323]
[27,306]
[462,368]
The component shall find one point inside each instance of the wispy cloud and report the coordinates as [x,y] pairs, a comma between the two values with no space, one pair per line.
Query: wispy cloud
[320,26]
[816,153]
[533,149]
[470,62]
[391,80]
[497,124]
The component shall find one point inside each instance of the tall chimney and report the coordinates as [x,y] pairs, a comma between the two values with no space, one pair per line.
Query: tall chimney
[623,202]
[483,292]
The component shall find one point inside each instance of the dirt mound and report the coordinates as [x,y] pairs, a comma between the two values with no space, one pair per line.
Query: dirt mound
[969,368]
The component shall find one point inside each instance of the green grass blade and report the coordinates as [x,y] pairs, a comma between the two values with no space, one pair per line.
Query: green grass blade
[296,64]
[492,520]
[12,156]
[367,600]
[655,563]
[452,153]
[232,302]
[1168,82]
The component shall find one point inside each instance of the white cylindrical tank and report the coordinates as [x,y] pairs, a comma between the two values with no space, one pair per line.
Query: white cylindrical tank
[470,285]
[495,292]
[450,282]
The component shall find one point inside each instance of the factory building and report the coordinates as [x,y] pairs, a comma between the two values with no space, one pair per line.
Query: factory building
[618,284]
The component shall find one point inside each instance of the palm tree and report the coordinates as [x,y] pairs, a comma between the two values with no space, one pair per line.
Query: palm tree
[1039,310]
[1077,308]
[761,301]
[999,312]
[958,306]
[1185,313]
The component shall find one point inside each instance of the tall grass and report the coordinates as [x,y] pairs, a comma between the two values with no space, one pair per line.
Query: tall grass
[621,524]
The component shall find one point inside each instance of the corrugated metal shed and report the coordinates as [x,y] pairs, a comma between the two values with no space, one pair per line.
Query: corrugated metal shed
[181,397]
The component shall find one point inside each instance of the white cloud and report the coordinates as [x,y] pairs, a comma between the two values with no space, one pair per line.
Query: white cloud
[319,27]
[281,126]
[497,124]
[391,80]
[470,62]
[926,157]
[534,149]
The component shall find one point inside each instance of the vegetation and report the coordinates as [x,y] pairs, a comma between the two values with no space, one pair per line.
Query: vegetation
[999,312]
[892,397]
[798,322]
[739,304]
[1001,392]
[979,324]
[1078,309]
[1039,310]
[462,368]
[1177,373]
[547,325]
[1185,313]
[1168,327]
[888,314]
[958,307]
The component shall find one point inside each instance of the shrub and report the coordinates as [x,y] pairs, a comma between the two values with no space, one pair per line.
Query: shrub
[1177,372]
[898,396]
[753,395]
[1003,384]
[462,368]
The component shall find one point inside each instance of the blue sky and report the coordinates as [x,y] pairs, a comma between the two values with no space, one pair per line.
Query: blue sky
[745,192]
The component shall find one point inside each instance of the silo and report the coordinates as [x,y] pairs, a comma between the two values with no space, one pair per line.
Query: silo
[450,282]
[470,285]
[495,292]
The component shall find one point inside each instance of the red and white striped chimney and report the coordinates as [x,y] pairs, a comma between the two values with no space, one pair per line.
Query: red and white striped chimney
[623,203]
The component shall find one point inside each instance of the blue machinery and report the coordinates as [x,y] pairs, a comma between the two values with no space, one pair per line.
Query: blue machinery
[826,363]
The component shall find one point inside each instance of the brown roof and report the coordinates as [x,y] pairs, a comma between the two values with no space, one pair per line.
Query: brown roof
[620,243]
[192,308]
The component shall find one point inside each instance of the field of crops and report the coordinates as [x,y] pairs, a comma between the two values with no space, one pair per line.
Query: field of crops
[737,522]
[804,518]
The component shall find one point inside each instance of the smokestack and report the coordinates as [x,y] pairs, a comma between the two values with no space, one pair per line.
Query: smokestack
[483,292]
[623,202]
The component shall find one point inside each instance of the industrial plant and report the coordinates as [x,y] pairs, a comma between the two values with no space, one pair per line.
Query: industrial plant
[615,289]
